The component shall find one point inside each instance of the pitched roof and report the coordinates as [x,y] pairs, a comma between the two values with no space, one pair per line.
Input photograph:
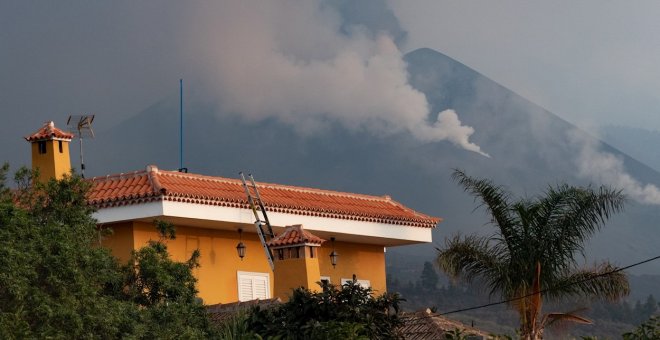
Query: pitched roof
[294,235]
[427,325]
[48,132]
[155,185]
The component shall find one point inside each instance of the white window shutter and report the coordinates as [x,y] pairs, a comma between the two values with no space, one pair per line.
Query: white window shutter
[253,286]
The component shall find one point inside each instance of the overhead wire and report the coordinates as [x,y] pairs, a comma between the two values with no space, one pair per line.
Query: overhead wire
[551,288]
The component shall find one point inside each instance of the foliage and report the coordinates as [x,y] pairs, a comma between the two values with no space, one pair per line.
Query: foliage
[54,282]
[236,328]
[165,290]
[429,278]
[455,334]
[347,312]
[57,282]
[646,331]
[536,247]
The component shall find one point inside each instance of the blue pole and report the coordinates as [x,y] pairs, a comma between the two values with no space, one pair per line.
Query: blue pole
[180,124]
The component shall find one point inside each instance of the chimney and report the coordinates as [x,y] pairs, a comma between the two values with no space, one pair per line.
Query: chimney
[50,152]
[295,252]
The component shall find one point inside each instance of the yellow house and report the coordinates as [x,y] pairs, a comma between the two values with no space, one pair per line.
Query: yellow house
[212,214]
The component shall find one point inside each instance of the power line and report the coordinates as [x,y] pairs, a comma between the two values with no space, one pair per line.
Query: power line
[551,288]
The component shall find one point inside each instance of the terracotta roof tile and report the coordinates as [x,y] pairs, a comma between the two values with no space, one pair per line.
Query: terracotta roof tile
[295,235]
[48,132]
[424,325]
[154,184]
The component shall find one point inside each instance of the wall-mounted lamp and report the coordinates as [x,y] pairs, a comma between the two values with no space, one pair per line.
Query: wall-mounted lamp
[333,255]
[240,248]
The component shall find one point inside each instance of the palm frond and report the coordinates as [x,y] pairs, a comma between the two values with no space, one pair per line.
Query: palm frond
[495,199]
[601,281]
[470,257]
[553,318]
[578,214]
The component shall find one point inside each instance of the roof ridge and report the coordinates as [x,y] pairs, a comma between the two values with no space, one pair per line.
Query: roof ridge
[120,175]
[384,198]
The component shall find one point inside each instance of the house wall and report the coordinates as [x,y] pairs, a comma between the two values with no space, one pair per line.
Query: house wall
[219,261]
[366,261]
[295,272]
[52,164]
[120,240]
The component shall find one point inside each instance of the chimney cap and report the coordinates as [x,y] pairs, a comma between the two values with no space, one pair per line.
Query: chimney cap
[295,235]
[49,132]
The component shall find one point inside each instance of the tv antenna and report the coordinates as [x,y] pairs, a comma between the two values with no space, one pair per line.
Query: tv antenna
[82,127]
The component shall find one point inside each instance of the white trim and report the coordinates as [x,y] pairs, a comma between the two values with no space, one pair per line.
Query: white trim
[206,212]
[129,212]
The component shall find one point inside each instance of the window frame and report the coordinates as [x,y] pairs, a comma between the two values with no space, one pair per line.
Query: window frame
[252,275]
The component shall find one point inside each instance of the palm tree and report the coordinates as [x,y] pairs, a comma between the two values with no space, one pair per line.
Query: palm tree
[533,253]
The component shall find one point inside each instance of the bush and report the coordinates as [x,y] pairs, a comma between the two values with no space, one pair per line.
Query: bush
[346,312]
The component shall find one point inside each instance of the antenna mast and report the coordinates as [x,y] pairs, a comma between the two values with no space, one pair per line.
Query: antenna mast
[181,168]
[82,127]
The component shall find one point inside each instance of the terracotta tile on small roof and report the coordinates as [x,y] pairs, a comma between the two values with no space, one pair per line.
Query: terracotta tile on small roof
[154,184]
[48,132]
[295,235]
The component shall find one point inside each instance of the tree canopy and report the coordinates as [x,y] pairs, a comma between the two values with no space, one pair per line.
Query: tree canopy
[58,282]
[534,251]
[349,311]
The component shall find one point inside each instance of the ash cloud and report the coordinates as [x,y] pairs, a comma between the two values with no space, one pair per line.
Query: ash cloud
[298,62]
[606,168]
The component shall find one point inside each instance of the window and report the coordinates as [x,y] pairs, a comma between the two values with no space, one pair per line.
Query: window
[59,143]
[311,252]
[252,286]
[362,283]
[42,146]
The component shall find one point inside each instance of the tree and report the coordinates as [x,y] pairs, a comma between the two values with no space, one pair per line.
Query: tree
[55,281]
[534,251]
[348,312]
[429,278]
[58,282]
[165,291]
[648,330]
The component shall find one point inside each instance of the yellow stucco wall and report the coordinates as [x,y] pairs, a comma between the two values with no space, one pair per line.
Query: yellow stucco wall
[294,273]
[52,164]
[366,261]
[219,262]
[120,241]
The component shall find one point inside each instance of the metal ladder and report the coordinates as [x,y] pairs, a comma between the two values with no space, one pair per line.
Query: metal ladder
[261,220]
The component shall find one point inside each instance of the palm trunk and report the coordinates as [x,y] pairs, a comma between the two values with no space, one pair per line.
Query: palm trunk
[530,308]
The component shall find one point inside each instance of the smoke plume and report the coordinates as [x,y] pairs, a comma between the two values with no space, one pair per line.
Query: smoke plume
[295,61]
[608,169]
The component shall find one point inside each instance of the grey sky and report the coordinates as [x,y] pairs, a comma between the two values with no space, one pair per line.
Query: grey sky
[591,62]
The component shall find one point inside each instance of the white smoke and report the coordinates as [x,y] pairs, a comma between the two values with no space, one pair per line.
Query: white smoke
[288,60]
[609,169]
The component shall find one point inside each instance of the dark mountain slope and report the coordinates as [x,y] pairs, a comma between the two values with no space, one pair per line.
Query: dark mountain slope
[529,147]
